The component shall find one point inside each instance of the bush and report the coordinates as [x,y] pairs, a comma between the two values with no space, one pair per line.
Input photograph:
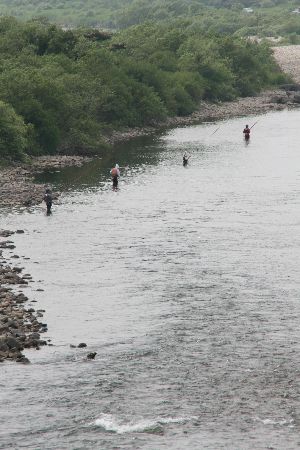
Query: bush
[13,134]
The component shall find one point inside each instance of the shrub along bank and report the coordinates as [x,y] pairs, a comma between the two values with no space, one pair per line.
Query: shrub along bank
[62,91]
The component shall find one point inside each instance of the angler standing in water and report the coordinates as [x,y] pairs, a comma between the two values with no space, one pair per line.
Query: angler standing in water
[48,200]
[246,132]
[185,159]
[115,173]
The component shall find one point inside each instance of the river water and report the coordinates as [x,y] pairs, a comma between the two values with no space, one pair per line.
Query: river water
[185,282]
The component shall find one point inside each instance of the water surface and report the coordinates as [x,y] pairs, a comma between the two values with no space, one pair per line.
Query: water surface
[185,282]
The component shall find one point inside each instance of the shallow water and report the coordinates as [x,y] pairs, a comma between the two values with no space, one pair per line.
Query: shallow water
[185,282]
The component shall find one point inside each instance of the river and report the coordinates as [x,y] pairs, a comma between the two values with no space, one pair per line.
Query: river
[185,282]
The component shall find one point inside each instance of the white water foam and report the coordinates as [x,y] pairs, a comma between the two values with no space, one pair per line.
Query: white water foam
[286,422]
[111,423]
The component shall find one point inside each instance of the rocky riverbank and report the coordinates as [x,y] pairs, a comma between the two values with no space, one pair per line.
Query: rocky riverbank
[273,100]
[288,58]
[20,326]
[288,96]
[16,182]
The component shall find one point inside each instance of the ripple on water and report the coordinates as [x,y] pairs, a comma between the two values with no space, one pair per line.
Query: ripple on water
[185,283]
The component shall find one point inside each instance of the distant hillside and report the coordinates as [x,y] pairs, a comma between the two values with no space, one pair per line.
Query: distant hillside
[244,17]
[111,13]
[68,12]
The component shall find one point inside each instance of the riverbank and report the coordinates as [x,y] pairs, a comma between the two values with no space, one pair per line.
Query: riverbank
[20,327]
[272,100]
[16,183]
[288,57]
[17,187]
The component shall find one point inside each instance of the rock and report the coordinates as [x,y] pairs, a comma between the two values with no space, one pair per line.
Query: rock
[290,87]
[19,334]
[280,99]
[12,324]
[35,336]
[91,355]
[14,354]
[12,343]
[23,360]
[296,98]
[3,344]
[3,327]
[20,231]
[6,233]
[82,345]
[3,354]
[31,343]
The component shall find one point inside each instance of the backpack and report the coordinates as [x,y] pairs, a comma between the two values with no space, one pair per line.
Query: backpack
[48,199]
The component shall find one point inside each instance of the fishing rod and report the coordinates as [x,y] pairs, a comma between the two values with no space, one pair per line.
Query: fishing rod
[254,124]
[215,131]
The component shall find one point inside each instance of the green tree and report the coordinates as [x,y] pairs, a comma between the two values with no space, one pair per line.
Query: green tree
[13,133]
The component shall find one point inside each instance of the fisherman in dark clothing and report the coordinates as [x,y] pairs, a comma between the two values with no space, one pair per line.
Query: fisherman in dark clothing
[246,132]
[48,200]
[185,159]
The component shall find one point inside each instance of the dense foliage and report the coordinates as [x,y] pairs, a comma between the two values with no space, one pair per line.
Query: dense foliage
[61,91]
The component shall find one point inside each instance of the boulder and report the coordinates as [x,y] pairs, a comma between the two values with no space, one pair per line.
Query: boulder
[3,327]
[82,345]
[290,87]
[280,99]
[12,343]
[3,344]
[296,98]
[22,359]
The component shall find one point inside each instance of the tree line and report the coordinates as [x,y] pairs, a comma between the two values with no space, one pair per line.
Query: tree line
[268,17]
[64,91]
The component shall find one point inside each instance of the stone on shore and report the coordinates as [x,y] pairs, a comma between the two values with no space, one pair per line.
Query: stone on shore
[19,327]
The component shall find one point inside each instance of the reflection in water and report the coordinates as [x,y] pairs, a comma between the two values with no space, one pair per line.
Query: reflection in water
[133,156]
[186,285]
